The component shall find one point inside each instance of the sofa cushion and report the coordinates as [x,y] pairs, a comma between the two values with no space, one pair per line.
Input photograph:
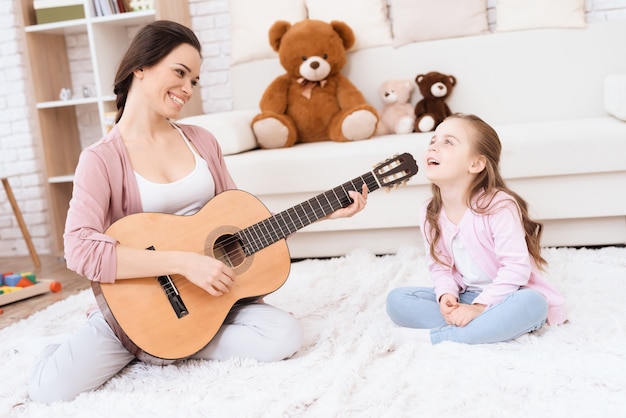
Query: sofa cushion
[421,20]
[251,22]
[231,129]
[367,19]
[615,95]
[562,147]
[532,14]
[529,150]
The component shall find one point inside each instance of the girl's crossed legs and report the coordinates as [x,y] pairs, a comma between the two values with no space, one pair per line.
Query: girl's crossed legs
[416,307]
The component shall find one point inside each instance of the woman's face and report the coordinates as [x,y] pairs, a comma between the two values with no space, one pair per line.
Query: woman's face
[169,84]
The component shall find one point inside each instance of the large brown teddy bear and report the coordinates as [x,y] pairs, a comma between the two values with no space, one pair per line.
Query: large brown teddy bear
[312,101]
[433,109]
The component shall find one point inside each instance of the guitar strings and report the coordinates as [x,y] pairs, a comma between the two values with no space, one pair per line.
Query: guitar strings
[321,208]
[393,169]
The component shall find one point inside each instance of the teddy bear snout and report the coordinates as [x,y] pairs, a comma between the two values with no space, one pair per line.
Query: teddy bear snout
[439,89]
[390,97]
[314,69]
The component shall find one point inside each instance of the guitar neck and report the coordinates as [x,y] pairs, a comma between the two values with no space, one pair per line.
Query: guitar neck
[279,226]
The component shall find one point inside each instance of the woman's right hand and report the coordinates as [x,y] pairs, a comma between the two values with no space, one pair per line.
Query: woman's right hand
[209,274]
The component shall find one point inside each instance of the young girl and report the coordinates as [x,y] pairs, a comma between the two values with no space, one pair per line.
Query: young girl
[149,164]
[484,253]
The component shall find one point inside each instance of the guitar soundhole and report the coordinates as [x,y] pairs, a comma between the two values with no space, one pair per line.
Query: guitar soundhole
[229,250]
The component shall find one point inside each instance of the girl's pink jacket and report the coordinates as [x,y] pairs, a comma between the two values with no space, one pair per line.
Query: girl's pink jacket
[496,242]
[105,190]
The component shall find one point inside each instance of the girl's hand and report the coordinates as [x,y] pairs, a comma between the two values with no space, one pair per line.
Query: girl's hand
[359,202]
[208,273]
[464,314]
[447,304]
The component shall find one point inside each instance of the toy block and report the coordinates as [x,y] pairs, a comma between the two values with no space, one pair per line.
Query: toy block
[12,279]
[24,282]
[30,276]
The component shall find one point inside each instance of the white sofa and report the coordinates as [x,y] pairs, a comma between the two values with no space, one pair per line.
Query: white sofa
[541,89]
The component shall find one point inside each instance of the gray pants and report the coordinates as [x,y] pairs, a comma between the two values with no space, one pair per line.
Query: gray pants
[94,354]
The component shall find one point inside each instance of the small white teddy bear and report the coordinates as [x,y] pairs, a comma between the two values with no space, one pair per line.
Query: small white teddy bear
[397,115]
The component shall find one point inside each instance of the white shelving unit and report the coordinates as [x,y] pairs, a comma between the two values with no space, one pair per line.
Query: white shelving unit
[47,46]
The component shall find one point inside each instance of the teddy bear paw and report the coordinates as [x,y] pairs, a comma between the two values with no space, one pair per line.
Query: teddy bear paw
[359,125]
[270,133]
[425,123]
[405,125]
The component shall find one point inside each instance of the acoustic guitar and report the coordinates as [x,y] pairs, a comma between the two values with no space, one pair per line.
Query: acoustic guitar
[166,318]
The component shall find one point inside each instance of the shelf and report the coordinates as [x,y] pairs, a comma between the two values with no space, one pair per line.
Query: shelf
[70,102]
[61,179]
[124,19]
[65,27]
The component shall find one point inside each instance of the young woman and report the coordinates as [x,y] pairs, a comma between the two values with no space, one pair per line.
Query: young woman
[149,164]
[484,253]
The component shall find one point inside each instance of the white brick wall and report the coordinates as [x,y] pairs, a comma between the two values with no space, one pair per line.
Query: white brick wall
[19,152]
[18,136]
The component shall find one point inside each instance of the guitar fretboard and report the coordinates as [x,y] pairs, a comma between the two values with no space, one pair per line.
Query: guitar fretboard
[265,233]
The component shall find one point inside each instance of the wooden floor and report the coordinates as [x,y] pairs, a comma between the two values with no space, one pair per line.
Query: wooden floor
[53,268]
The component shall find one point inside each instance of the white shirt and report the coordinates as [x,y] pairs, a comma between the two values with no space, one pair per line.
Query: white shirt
[473,276]
[181,197]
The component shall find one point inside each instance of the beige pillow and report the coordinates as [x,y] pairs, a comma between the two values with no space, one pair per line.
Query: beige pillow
[231,129]
[422,20]
[531,14]
[367,18]
[250,24]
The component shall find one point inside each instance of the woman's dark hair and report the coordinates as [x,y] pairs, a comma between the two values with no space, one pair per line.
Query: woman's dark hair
[149,46]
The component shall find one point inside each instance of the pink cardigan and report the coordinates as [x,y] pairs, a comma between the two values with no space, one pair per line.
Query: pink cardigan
[496,242]
[105,190]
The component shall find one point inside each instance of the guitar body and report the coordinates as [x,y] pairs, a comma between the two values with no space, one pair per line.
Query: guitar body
[138,309]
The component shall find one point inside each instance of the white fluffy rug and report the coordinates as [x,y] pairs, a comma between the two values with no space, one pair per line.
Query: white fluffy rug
[346,369]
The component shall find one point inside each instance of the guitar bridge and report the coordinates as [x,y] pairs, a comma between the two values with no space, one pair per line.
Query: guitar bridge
[171,292]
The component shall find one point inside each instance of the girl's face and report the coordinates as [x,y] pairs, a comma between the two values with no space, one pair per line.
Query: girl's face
[450,158]
[169,84]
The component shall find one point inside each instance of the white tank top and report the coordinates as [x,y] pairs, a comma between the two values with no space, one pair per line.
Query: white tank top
[181,197]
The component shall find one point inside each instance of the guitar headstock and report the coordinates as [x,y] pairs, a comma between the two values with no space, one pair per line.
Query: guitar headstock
[395,171]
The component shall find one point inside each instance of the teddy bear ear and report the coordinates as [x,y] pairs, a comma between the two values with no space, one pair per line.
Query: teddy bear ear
[276,33]
[345,33]
[452,79]
[419,78]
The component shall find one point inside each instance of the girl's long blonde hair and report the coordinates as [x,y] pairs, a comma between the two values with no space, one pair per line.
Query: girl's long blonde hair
[486,183]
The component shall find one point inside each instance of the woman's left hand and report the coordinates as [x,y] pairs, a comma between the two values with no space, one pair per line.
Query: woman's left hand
[359,200]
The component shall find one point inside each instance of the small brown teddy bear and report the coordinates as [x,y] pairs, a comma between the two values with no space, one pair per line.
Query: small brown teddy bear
[433,109]
[312,101]
[397,115]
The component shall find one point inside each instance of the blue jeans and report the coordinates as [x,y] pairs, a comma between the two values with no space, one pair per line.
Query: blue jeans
[416,307]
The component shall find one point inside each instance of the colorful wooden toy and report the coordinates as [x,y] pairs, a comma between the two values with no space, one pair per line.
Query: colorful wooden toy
[18,286]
